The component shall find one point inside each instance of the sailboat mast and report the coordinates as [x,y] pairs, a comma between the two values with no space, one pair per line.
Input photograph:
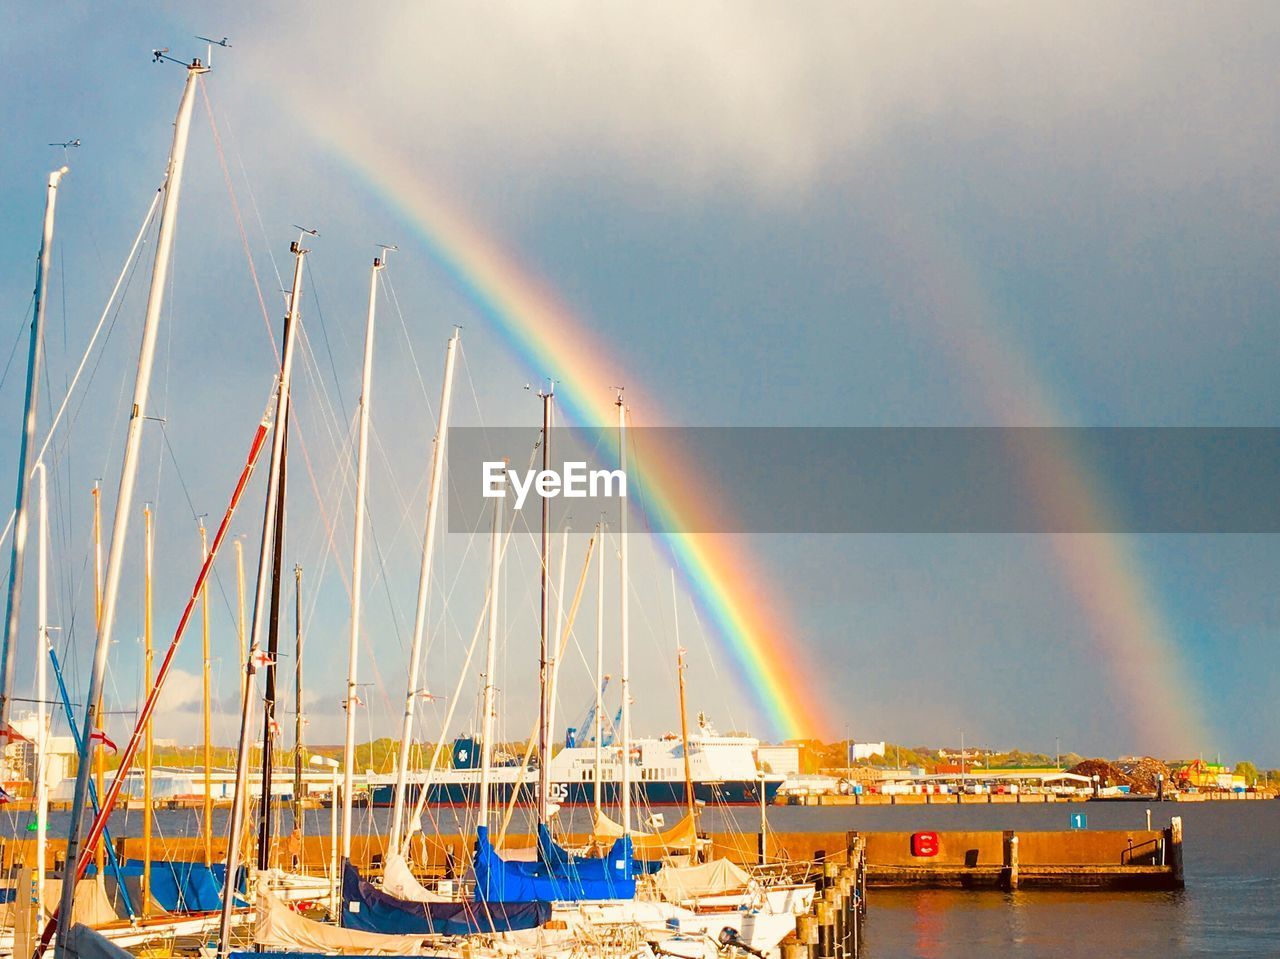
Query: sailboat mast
[239,798]
[42,686]
[128,474]
[298,720]
[99,757]
[684,724]
[35,356]
[241,634]
[625,615]
[491,642]
[357,565]
[559,638]
[270,728]
[544,677]
[207,707]
[424,586]
[599,663]
[148,748]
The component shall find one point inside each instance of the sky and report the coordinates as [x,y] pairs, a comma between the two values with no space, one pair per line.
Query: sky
[762,214]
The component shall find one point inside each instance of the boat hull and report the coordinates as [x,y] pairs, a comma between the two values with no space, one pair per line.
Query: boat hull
[728,793]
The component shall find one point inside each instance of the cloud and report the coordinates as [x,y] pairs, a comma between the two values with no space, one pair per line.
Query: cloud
[773,97]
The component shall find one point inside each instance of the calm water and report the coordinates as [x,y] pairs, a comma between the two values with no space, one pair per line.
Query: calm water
[1230,907]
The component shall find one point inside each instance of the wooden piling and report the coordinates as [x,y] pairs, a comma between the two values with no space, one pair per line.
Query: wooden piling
[826,944]
[1009,876]
[1175,848]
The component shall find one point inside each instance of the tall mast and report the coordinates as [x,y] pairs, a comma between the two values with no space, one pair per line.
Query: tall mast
[99,757]
[128,473]
[424,586]
[544,677]
[297,700]
[626,639]
[35,355]
[241,633]
[239,798]
[148,540]
[559,640]
[42,685]
[491,642]
[357,565]
[599,663]
[207,707]
[684,724]
[270,728]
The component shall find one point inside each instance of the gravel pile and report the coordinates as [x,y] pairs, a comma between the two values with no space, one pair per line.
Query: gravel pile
[1145,773]
[1108,774]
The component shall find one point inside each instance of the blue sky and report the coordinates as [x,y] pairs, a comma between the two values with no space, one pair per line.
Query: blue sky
[775,215]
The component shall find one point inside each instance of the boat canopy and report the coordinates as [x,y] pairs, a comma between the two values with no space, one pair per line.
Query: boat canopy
[178,887]
[715,878]
[556,875]
[369,909]
[279,927]
[84,943]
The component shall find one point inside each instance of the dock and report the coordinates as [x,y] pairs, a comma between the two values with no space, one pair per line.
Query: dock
[1134,859]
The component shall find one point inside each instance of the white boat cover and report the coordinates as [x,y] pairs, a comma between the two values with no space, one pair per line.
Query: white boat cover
[91,908]
[399,881]
[715,878]
[681,835]
[280,927]
[84,943]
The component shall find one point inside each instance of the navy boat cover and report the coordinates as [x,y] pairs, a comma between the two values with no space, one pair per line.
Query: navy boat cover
[556,875]
[369,909]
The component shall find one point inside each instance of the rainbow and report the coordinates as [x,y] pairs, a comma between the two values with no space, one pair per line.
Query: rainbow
[1151,690]
[1153,694]
[718,572]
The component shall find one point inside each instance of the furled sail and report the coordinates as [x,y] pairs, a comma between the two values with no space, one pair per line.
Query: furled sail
[680,836]
[399,881]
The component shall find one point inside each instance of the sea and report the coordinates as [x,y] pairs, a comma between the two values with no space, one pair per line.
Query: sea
[1230,906]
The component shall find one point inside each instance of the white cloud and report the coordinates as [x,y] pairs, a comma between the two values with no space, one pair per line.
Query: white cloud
[772,96]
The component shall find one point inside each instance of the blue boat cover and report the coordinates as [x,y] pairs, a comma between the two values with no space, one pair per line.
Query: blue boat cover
[182,886]
[369,909]
[556,875]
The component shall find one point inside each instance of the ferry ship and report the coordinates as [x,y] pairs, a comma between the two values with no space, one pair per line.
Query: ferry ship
[724,772]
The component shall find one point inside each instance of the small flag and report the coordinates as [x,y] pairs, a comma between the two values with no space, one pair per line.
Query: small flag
[102,737]
[275,727]
[10,735]
[4,796]
[429,696]
[260,659]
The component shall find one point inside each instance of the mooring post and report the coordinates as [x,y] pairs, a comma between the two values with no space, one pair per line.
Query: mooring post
[849,913]
[832,896]
[807,931]
[1010,860]
[1175,848]
[826,947]
[862,876]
